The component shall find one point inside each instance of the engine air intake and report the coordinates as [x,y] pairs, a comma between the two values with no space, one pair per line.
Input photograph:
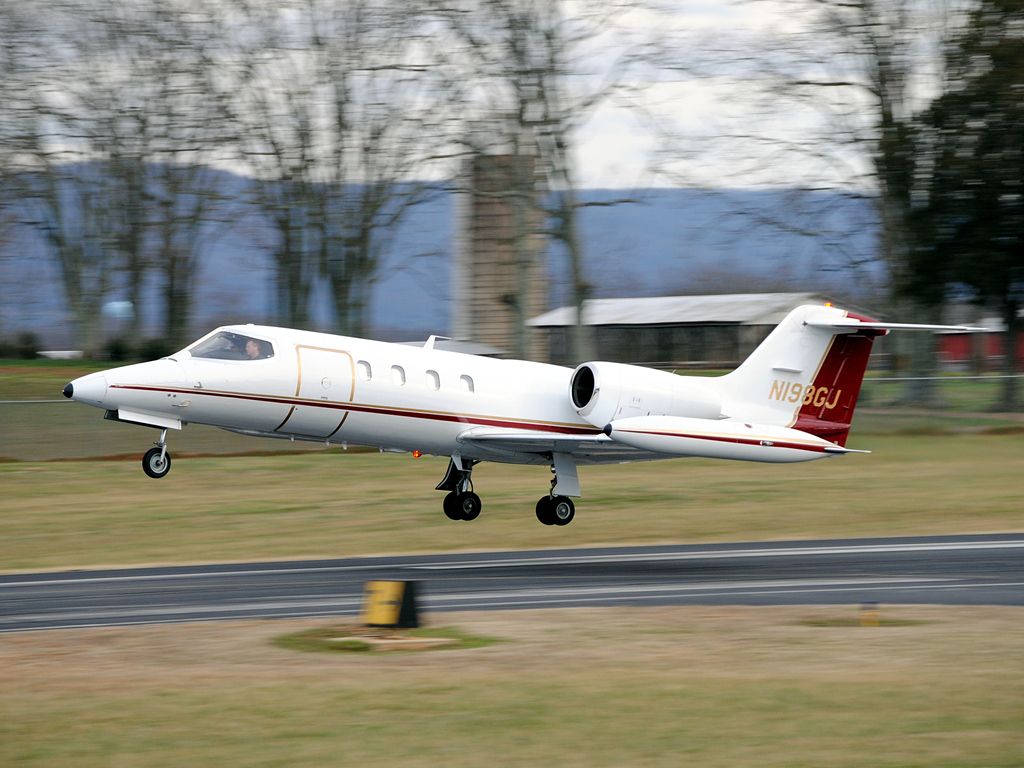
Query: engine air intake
[582,386]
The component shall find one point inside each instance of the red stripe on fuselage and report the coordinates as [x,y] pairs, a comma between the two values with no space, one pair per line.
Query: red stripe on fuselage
[460,418]
[765,442]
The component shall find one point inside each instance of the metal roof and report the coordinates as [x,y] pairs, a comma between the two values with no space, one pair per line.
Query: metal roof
[739,308]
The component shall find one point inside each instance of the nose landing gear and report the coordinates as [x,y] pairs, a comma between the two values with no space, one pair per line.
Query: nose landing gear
[157,461]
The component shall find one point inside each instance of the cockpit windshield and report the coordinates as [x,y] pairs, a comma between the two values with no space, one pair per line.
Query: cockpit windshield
[226,345]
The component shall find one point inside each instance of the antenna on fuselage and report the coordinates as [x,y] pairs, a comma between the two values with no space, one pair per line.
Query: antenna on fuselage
[429,343]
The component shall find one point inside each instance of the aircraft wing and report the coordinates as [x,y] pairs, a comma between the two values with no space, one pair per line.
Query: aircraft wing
[536,447]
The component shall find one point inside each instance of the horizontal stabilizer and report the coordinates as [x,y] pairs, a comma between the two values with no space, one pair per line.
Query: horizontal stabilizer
[841,324]
[743,441]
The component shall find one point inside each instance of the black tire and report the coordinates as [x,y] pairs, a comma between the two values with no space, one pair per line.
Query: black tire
[469,505]
[546,510]
[562,510]
[153,465]
[451,508]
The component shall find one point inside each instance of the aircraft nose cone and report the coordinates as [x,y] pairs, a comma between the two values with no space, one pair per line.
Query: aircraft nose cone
[91,389]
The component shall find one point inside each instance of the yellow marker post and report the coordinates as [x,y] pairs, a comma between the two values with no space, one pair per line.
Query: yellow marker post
[390,604]
[869,615]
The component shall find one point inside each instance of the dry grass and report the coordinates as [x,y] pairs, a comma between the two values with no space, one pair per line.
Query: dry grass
[582,687]
[76,514]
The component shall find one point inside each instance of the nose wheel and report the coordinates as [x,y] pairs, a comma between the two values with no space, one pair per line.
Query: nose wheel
[157,461]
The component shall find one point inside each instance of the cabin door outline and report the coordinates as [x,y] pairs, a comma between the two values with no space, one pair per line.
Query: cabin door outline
[325,379]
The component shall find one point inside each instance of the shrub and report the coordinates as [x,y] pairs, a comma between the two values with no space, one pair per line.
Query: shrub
[26,346]
[153,349]
[118,349]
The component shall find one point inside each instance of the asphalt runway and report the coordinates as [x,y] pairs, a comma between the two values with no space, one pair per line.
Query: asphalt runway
[961,570]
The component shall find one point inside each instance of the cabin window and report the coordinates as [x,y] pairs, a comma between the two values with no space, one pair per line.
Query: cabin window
[433,380]
[466,382]
[226,345]
[365,370]
[398,375]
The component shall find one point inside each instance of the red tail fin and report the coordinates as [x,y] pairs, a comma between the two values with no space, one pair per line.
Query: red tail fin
[829,402]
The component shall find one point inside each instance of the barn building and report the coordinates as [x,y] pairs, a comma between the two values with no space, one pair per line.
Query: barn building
[716,331]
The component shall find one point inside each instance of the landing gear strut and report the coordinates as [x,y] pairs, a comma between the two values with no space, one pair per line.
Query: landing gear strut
[157,461]
[460,503]
[556,509]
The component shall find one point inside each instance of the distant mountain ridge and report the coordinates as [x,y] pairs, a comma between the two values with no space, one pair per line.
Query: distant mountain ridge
[660,242]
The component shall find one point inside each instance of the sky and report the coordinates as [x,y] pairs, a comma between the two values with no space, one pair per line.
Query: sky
[715,119]
[662,136]
[708,116]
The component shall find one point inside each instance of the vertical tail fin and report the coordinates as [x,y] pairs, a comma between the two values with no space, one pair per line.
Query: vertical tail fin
[807,374]
[828,402]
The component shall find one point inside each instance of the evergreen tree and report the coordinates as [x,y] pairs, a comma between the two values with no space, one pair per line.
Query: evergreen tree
[975,189]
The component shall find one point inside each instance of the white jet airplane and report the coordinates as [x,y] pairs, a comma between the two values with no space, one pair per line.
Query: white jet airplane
[791,400]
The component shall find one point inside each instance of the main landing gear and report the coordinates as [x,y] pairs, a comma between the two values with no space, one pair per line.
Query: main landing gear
[555,510]
[461,503]
[157,461]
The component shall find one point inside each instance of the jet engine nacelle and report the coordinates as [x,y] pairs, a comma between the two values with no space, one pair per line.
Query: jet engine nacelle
[679,436]
[603,392]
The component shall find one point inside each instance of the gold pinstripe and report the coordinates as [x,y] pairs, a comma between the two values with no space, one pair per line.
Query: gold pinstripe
[799,405]
[729,436]
[298,383]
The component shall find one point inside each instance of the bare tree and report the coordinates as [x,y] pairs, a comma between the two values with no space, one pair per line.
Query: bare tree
[178,55]
[113,125]
[338,121]
[828,100]
[893,48]
[534,81]
[61,128]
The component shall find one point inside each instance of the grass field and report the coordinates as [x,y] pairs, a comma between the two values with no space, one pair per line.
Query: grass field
[42,431]
[930,473]
[86,513]
[585,687]
[625,687]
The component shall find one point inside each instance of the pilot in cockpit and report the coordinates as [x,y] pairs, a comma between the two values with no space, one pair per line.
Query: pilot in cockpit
[254,349]
[228,345]
[248,348]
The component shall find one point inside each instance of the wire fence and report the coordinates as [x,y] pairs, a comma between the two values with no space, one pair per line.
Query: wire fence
[48,429]
[959,393]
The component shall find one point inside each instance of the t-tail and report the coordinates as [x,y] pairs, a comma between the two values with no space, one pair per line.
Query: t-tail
[808,373]
[792,400]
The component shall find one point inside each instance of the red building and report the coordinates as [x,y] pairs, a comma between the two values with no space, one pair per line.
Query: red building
[983,350]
